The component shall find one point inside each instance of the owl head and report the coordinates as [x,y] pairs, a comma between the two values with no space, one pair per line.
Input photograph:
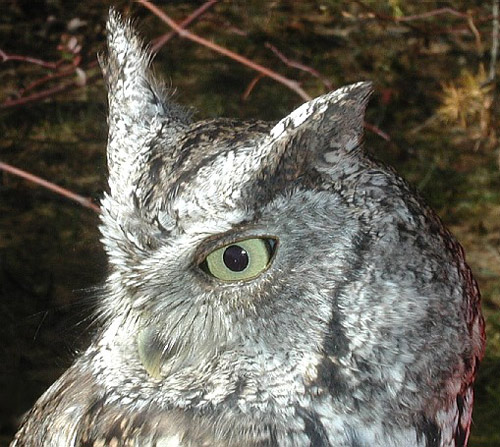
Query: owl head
[275,273]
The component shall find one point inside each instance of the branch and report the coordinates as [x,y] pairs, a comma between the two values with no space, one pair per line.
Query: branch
[45,79]
[250,86]
[475,32]
[433,13]
[293,85]
[49,185]
[407,20]
[299,66]
[4,57]
[47,93]
[377,131]
[185,23]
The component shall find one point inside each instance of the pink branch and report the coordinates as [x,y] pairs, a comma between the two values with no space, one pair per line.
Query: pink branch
[293,85]
[408,20]
[46,93]
[377,131]
[299,66]
[45,79]
[49,185]
[250,87]
[185,23]
[60,74]
[433,13]
[4,57]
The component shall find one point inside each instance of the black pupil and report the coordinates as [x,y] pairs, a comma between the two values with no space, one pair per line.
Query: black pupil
[235,258]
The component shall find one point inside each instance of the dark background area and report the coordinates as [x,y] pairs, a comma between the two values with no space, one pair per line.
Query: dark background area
[428,67]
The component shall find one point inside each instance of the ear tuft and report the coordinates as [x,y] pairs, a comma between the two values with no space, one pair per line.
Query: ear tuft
[139,110]
[126,67]
[327,127]
[320,133]
[345,105]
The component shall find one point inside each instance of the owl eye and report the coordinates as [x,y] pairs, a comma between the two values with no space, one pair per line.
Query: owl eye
[240,260]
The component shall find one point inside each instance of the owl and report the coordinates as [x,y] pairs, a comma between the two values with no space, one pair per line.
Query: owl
[270,285]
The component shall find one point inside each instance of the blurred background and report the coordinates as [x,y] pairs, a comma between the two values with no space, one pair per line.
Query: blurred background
[434,116]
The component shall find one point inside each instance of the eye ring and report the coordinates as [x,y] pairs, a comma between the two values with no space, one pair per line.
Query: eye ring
[241,260]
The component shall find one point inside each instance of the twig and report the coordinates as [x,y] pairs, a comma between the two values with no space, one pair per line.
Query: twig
[299,66]
[433,13]
[377,131]
[61,74]
[407,20]
[162,40]
[475,32]
[293,85]
[46,93]
[386,17]
[49,185]
[494,43]
[45,79]
[250,86]
[4,57]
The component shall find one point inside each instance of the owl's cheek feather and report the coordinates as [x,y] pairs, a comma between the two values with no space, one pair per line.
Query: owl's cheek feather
[170,441]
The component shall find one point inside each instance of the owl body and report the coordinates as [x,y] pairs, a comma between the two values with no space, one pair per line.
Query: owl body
[270,285]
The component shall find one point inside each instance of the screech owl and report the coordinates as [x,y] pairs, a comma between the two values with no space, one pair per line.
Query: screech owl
[270,285]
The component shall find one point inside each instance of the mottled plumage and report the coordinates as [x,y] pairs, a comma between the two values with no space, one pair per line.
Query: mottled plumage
[359,324]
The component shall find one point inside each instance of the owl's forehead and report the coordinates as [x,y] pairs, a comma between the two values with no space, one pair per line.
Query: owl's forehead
[202,142]
[211,176]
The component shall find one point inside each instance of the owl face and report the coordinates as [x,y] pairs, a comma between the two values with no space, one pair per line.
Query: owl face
[277,272]
[234,225]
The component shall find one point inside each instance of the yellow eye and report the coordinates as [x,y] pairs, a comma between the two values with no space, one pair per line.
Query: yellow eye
[241,260]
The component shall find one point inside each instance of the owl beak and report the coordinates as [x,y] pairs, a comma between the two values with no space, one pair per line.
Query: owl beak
[150,351]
